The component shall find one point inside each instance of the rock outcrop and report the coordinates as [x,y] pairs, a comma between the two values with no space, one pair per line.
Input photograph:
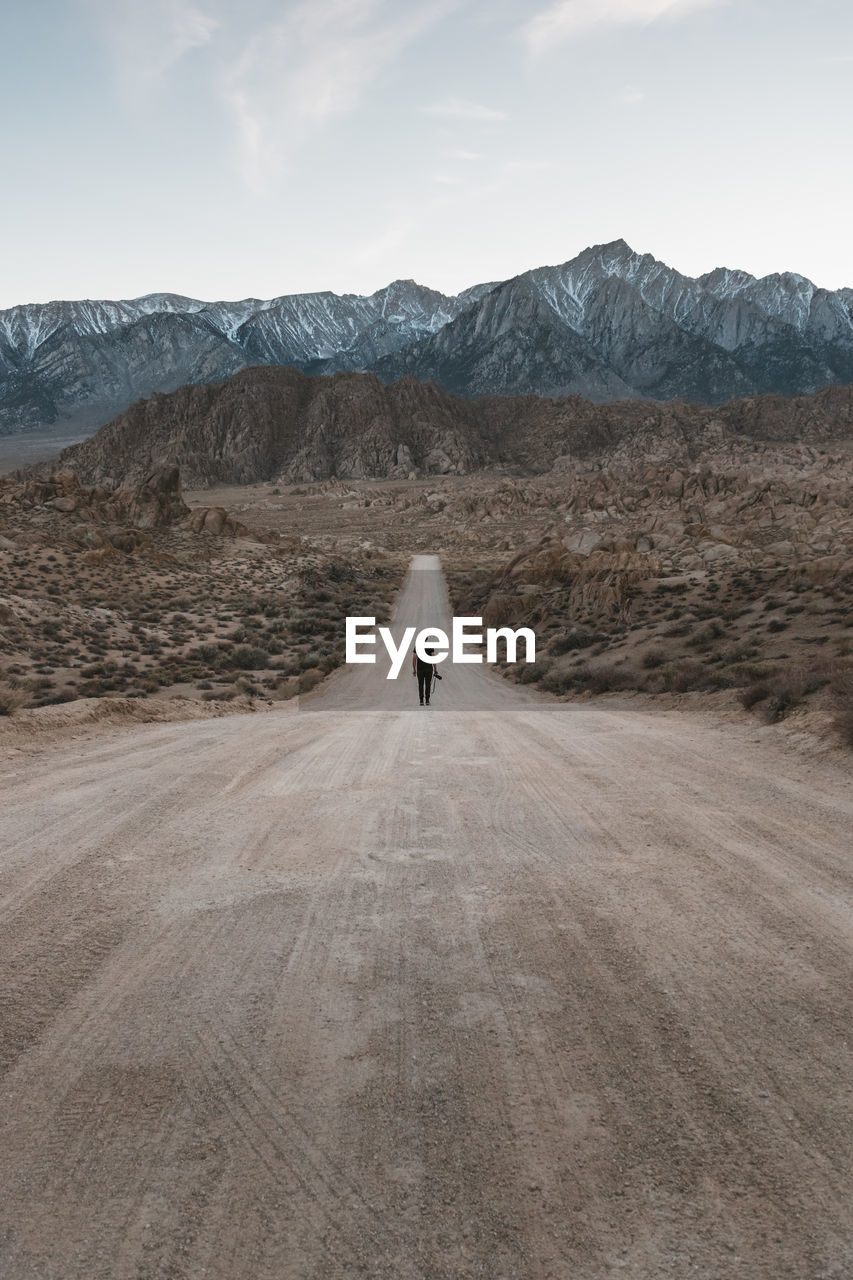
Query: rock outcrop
[267,424]
[154,503]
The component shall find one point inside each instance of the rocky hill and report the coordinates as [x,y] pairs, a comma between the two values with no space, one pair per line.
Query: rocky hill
[269,424]
[609,324]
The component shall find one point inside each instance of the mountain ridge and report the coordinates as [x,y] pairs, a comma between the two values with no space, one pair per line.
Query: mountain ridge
[281,424]
[610,323]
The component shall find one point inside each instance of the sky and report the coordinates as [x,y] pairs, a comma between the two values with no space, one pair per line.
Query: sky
[225,149]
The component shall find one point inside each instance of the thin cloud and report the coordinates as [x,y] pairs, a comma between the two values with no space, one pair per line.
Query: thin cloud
[632,97]
[461,109]
[148,40]
[315,63]
[568,18]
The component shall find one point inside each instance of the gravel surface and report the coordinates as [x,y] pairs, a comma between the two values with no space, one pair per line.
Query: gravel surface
[495,988]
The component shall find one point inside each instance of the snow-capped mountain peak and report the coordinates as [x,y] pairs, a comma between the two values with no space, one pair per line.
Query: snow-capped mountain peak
[609,322]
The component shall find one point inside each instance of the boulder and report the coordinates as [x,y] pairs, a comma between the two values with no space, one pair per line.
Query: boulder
[216,520]
[582,542]
[156,502]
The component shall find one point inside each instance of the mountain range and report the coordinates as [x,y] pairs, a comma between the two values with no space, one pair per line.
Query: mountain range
[611,324]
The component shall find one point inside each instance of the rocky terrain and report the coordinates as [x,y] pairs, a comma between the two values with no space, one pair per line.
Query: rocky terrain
[279,424]
[733,576]
[132,594]
[609,324]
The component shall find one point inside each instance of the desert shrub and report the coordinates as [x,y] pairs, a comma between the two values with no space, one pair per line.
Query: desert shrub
[247,657]
[722,678]
[287,689]
[11,699]
[788,689]
[580,676]
[700,639]
[309,680]
[533,672]
[653,658]
[558,681]
[753,693]
[305,626]
[738,654]
[777,624]
[206,653]
[607,678]
[781,699]
[58,696]
[747,672]
[571,640]
[683,676]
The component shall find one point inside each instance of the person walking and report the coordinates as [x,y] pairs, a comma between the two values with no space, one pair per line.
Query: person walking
[426,672]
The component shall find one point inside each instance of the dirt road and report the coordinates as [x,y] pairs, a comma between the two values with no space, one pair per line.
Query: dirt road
[499,988]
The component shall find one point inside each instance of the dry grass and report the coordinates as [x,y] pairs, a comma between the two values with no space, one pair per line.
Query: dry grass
[842,707]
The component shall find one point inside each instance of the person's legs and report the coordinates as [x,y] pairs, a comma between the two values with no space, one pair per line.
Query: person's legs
[427,685]
[421,682]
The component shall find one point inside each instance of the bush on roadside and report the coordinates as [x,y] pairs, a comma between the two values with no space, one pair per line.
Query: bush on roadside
[681,677]
[753,693]
[11,700]
[609,678]
[558,681]
[310,679]
[785,693]
[532,672]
